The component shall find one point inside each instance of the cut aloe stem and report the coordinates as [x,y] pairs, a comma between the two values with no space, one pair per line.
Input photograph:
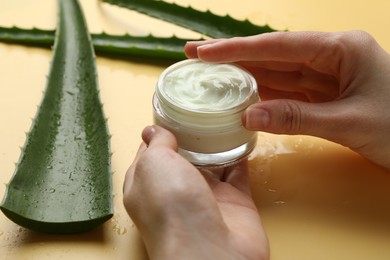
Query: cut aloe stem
[62,183]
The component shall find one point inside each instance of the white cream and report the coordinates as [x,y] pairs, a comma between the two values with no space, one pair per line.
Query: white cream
[207,87]
[202,104]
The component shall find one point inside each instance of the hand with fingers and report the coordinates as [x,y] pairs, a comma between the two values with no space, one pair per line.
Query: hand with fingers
[330,85]
[182,213]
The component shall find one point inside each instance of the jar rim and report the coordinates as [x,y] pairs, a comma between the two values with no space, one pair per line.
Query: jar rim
[197,121]
[251,98]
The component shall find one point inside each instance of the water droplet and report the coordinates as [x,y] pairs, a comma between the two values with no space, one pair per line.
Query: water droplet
[279,202]
[124,231]
[80,136]
[119,230]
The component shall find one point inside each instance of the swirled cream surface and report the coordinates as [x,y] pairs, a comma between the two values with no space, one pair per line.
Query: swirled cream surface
[207,87]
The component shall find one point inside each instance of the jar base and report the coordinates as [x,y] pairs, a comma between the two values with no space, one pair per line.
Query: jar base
[219,160]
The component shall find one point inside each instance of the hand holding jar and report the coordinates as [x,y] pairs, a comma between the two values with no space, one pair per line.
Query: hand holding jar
[330,85]
[183,214]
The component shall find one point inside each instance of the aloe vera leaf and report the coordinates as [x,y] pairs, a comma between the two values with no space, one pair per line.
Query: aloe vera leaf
[205,23]
[62,183]
[149,47]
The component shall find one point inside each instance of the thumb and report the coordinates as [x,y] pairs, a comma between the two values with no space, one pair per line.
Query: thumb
[156,136]
[326,120]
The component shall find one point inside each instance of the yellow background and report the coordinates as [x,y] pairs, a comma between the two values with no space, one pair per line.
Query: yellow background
[318,200]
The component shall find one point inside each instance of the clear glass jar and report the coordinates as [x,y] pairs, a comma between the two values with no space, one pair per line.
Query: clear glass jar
[201,104]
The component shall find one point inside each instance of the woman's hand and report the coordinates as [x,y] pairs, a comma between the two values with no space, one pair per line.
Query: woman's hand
[330,85]
[182,213]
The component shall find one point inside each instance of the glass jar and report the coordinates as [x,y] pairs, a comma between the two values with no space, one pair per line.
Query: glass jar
[201,104]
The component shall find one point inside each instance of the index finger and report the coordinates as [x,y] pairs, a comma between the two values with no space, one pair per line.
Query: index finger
[321,51]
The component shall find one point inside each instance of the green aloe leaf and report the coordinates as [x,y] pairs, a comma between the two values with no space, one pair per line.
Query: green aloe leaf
[62,183]
[205,23]
[148,47]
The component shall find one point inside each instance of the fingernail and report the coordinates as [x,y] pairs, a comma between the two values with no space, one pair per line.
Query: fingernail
[148,133]
[200,48]
[256,118]
[202,52]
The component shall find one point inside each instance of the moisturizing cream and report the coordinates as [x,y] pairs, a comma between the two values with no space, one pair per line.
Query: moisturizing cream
[201,104]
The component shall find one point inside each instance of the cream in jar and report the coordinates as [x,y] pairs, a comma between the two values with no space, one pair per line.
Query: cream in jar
[201,104]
